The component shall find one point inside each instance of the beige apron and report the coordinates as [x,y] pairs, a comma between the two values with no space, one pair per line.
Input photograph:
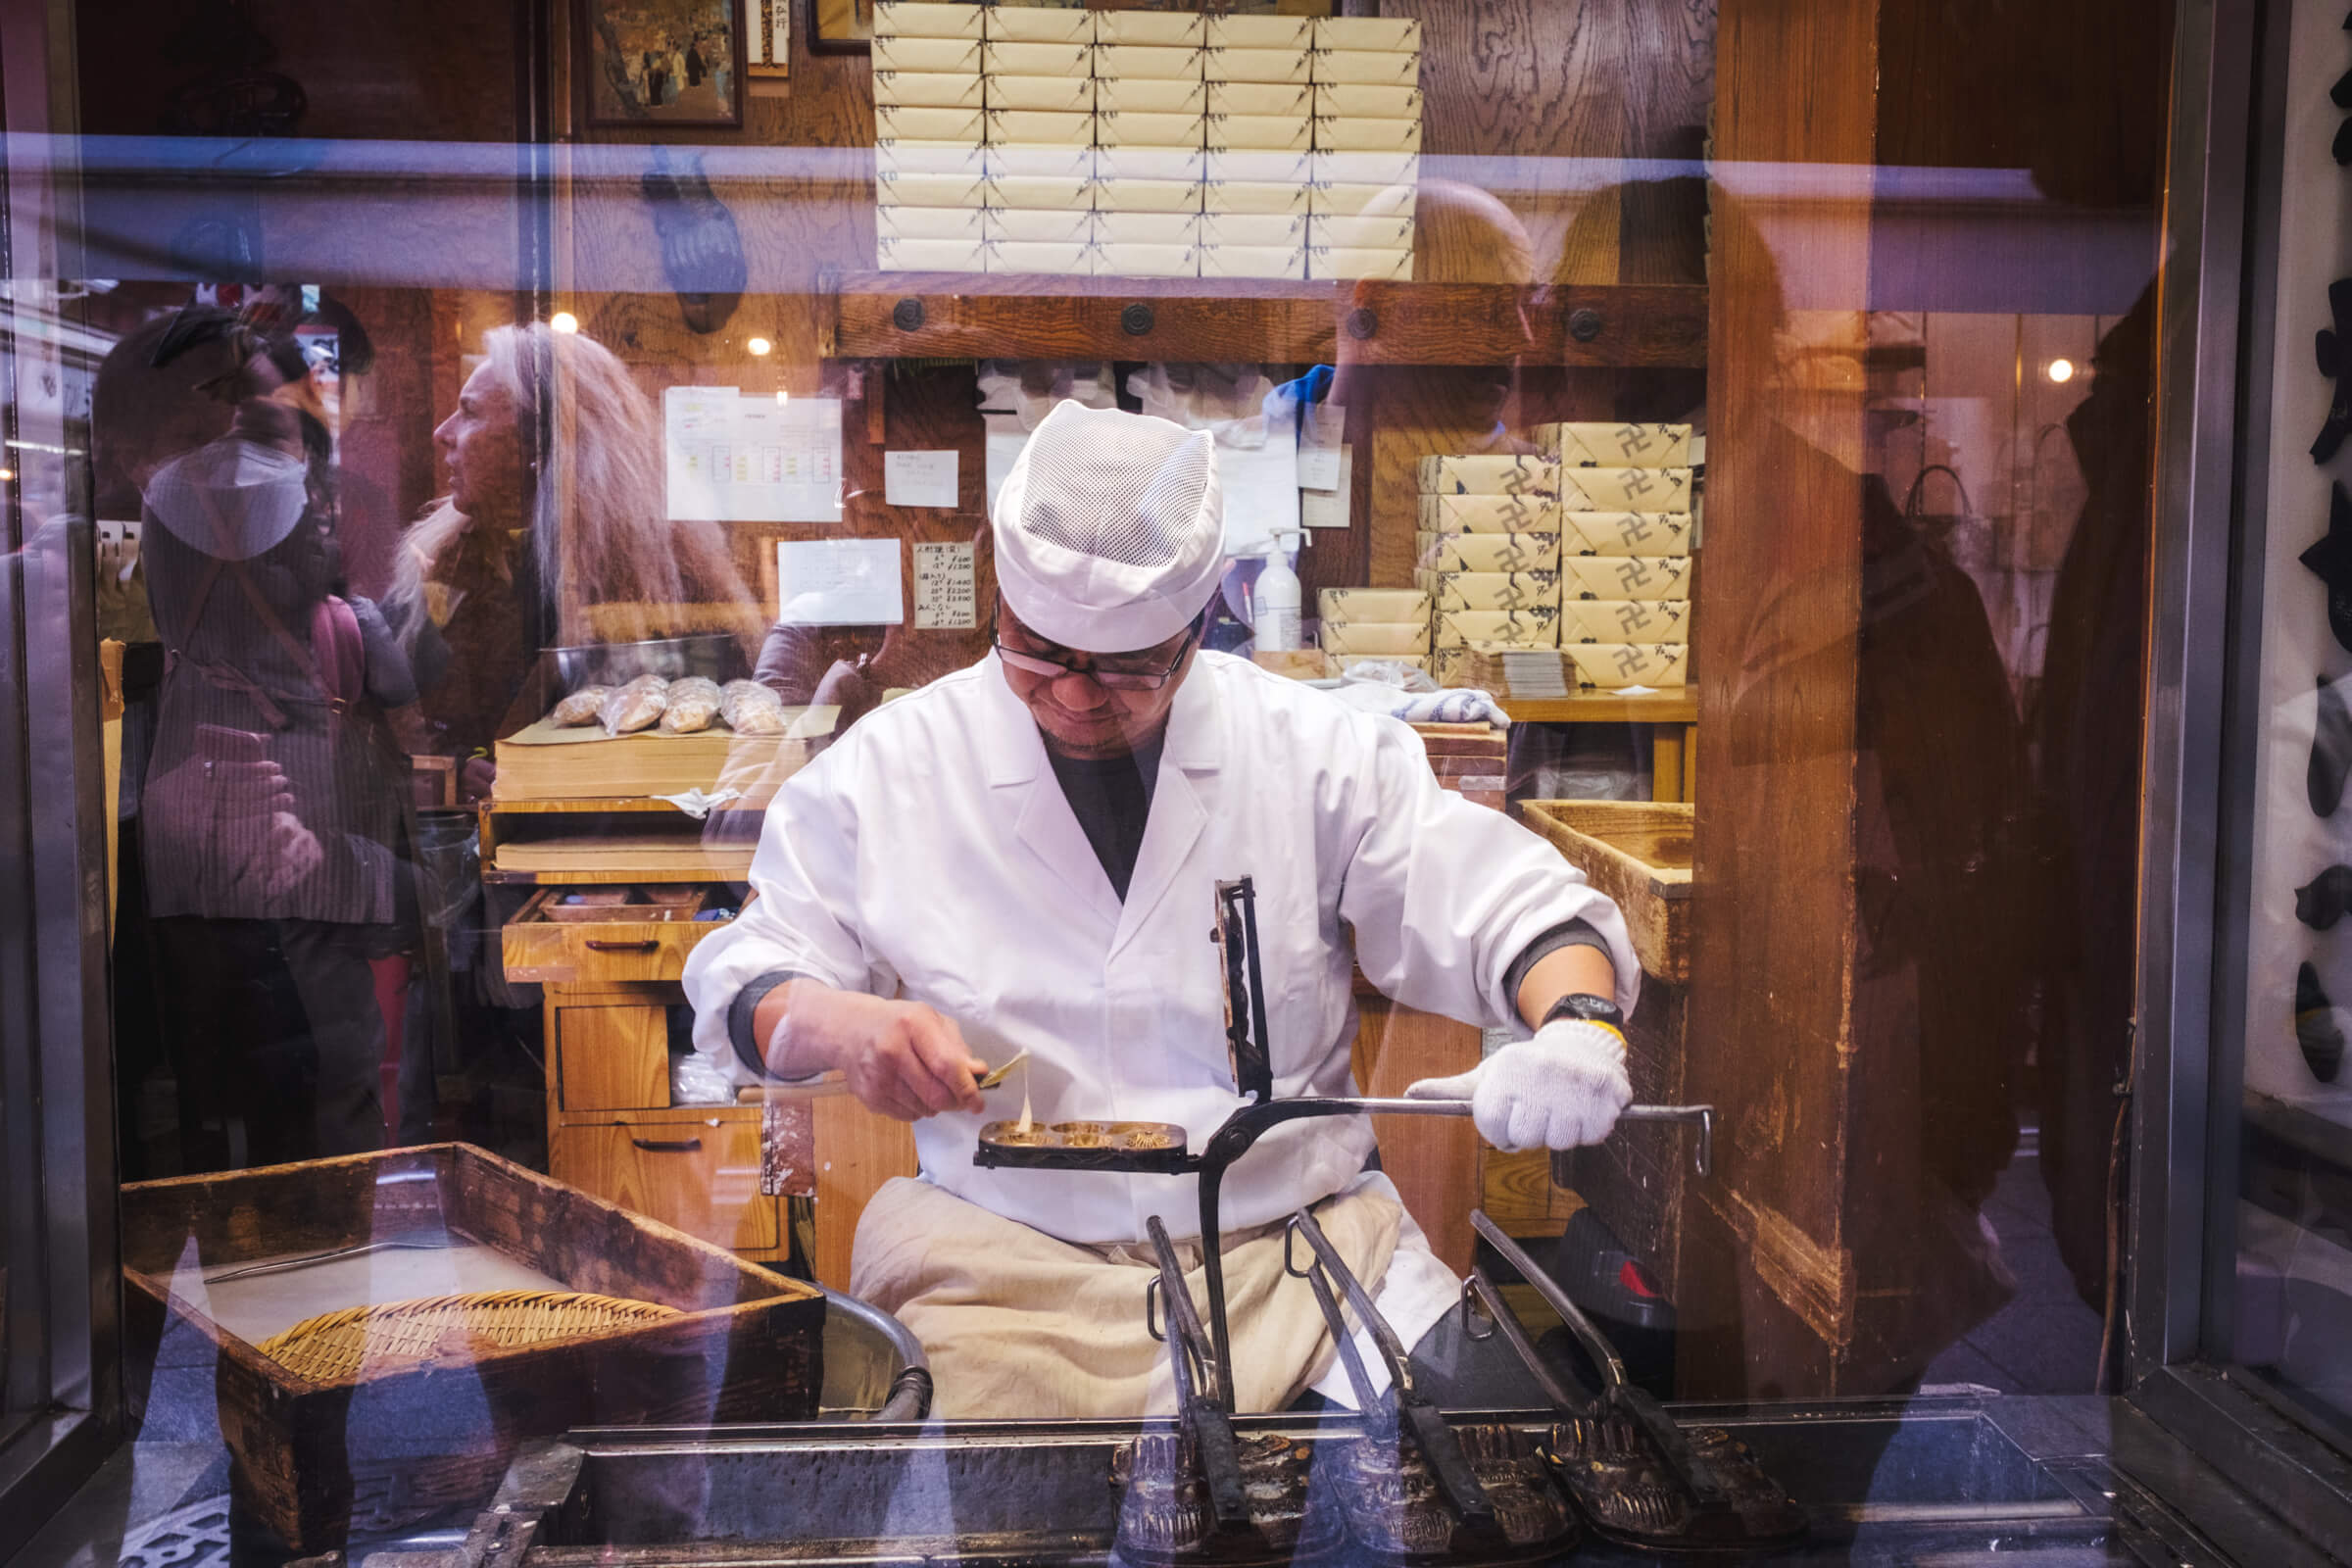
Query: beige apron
[1018,1324]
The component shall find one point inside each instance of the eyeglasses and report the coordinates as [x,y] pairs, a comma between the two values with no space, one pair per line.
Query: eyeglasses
[1116,673]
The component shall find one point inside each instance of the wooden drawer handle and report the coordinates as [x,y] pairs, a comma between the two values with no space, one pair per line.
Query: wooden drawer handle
[645,945]
[668,1146]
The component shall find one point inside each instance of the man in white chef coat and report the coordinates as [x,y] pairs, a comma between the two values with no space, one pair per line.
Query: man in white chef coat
[1022,856]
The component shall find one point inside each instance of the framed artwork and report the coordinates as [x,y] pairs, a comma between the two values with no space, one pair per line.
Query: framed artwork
[769,24]
[841,27]
[664,62]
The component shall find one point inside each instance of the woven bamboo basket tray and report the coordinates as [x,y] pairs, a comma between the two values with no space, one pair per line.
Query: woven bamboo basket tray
[335,1346]
[655,1328]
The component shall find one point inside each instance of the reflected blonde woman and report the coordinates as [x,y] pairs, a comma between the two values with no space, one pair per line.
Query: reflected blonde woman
[553,533]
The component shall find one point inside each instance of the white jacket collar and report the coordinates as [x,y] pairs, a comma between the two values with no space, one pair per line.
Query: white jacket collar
[1013,753]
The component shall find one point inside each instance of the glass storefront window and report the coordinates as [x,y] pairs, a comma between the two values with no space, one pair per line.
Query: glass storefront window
[783,716]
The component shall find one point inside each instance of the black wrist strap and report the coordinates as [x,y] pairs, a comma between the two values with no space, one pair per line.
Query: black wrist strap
[1584,1005]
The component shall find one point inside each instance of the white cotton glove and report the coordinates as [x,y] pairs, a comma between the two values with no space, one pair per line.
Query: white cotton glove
[1556,1091]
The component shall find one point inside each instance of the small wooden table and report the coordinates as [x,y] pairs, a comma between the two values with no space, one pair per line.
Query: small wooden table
[1672,717]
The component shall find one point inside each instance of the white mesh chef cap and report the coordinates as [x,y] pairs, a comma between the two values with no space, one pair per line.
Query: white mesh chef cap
[1109,530]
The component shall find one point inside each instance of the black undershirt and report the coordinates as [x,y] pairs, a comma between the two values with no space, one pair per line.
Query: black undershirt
[1112,797]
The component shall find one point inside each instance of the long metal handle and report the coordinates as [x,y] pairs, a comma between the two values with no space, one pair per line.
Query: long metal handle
[1477,1287]
[1700,1116]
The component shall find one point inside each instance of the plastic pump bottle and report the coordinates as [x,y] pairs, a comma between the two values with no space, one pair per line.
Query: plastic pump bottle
[1274,602]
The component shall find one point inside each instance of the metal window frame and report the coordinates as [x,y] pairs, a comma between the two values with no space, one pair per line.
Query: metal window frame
[2216,329]
[55,1028]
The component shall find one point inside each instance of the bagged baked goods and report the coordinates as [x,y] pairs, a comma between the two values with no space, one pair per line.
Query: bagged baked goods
[751,708]
[693,705]
[636,705]
[581,707]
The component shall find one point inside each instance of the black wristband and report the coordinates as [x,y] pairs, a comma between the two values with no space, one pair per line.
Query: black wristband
[1590,1009]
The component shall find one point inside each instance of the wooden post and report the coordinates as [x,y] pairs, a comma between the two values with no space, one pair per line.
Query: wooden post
[1858,977]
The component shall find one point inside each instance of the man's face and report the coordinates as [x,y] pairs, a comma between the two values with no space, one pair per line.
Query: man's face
[1078,715]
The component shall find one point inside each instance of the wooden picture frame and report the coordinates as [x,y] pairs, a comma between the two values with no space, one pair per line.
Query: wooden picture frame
[699,83]
[769,22]
[841,27]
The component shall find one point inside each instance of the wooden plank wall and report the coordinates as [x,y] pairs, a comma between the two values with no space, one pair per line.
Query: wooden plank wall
[1864,1048]
[1534,82]
[1519,98]
[1771,1027]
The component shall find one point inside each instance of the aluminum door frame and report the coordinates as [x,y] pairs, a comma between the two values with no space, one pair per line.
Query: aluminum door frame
[55,1026]
[2213,355]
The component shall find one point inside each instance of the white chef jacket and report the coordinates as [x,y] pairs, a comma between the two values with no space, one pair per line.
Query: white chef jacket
[930,855]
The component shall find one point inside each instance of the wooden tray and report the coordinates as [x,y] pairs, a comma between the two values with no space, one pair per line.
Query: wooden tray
[658,901]
[601,944]
[1638,852]
[386,1450]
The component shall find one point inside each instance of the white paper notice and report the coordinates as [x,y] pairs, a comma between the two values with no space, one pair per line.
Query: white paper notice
[1327,508]
[1005,439]
[919,478]
[947,590]
[733,459]
[1260,482]
[838,582]
[1319,446]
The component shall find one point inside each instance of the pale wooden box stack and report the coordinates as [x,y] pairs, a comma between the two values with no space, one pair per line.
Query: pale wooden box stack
[1362,625]
[1143,143]
[1625,540]
[1489,542]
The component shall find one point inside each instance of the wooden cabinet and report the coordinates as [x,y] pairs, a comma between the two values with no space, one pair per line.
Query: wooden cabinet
[696,1168]
[610,985]
[612,1130]
[608,1055]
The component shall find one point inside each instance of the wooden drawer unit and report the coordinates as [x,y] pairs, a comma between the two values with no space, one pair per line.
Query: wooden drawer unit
[639,942]
[609,1057]
[696,1168]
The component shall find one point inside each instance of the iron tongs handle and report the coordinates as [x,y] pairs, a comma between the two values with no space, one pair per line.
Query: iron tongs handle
[1617,1392]
[1700,1116]
[1416,1415]
[1203,1390]
[1242,1129]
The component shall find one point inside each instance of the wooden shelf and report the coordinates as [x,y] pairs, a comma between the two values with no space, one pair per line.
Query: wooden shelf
[963,316]
[716,871]
[1676,706]
[603,804]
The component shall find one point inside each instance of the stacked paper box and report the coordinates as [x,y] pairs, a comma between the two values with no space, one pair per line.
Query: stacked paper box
[1258,144]
[1366,72]
[1384,623]
[930,137]
[1038,79]
[1150,105]
[1150,143]
[1625,529]
[1490,552]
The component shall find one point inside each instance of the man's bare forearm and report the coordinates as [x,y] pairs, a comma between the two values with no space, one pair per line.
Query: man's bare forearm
[1565,972]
